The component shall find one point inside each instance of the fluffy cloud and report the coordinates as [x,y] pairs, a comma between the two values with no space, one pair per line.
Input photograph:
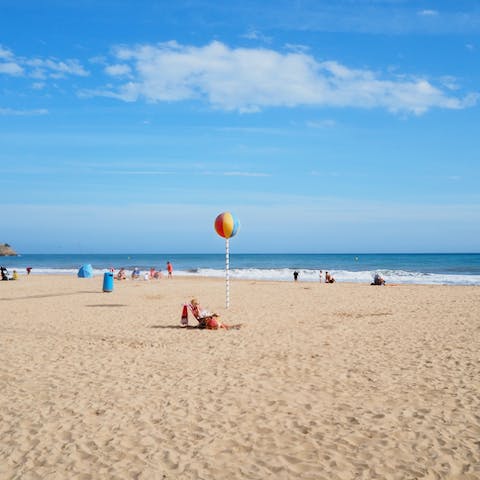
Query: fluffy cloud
[118,69]
[249,79]
[11,68]
[38,68]
[49,68]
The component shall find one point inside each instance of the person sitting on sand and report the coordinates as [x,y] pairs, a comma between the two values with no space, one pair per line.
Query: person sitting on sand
[15,275]
[121,275]
[329,278]
[378,280]
[206,319]
[4,273]
[135,273]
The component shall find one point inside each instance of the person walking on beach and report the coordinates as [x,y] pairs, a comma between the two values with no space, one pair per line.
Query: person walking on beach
[295,275]
[169,269]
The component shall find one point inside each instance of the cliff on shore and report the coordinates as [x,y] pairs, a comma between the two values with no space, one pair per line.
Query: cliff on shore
[7,251]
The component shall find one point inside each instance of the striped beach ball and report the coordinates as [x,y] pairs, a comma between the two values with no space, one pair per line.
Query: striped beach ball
[227,225]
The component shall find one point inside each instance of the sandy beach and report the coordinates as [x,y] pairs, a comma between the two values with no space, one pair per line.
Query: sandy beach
[322,381]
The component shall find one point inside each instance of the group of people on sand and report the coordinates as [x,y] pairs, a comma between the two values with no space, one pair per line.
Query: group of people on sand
[328,277]
[151,274]
[377,279]
[5,275]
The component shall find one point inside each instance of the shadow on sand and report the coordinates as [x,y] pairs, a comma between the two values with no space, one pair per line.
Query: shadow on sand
[27,297]
[107,305]
[174,327]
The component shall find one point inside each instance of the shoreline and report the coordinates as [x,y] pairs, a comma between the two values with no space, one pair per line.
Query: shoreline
[186,277]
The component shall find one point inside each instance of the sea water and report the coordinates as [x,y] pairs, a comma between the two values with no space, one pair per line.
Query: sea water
[449,269]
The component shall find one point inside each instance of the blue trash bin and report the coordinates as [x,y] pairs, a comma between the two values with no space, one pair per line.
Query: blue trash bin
[108,282]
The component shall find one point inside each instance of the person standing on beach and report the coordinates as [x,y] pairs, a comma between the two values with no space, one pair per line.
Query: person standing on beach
[320,276]
[169,269]
[29,269]
[295,275]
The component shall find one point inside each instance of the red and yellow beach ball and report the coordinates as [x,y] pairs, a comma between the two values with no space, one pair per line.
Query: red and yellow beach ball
[226,225]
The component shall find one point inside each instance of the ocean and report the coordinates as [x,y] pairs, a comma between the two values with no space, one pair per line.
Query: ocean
[446,269]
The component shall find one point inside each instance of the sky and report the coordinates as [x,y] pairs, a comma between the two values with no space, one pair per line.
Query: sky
[324,127]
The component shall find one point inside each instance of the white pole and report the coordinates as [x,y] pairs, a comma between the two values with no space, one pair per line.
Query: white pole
[227,273]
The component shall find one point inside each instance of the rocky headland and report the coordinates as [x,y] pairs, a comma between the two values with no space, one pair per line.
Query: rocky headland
[7,251]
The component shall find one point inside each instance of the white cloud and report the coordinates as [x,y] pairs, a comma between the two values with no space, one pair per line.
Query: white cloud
[321,123]
[11,68]
[249,79]
[42,68]
[138,172]
[22,113]
[5,53]
[117,70]
[39,68]
[297,47]
[450,82]
[38,85]
[256,35]
[246,174]
[428,13]
[98,60]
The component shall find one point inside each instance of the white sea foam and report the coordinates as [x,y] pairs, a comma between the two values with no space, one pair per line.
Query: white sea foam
[366,276]
[305,275]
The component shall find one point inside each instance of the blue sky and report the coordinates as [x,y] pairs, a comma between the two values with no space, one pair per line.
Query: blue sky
[348,126]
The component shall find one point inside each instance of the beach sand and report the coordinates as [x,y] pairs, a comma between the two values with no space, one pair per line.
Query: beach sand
[322,381]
